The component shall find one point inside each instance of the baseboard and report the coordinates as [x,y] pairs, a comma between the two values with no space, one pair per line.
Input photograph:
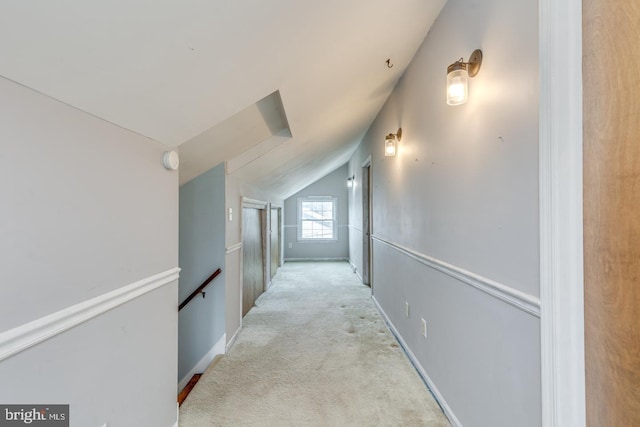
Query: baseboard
[314,259]
[233,339]
[201,366]
[177,415]
[356,271]
[425,377]
[25,336]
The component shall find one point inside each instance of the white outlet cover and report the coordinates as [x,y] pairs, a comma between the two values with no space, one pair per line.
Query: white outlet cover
[406,308]
[423,327]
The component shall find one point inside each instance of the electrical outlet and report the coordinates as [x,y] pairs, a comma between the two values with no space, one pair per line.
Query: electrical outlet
[406,309]
[290,245]
[423,327]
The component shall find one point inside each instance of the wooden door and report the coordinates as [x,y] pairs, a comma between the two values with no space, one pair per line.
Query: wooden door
[275,241]
[252,258]
[611,88]
[366,225]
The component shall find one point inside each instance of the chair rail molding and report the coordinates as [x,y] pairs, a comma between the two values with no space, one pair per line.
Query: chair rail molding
[233,248]
[32,333]
[521,300]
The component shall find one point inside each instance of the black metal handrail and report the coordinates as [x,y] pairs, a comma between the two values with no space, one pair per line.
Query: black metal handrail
[200,289]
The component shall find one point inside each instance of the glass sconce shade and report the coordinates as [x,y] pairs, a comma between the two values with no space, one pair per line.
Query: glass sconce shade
[458,75]
[390,147]
[457,87]
[391,143]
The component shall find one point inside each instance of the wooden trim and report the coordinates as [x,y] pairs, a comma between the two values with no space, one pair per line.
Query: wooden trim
[521,300]
[187,389]
[561,258]
[33,333]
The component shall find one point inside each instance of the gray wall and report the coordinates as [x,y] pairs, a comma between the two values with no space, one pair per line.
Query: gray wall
[87,209]
[463,193]
[202,251]
[335,185]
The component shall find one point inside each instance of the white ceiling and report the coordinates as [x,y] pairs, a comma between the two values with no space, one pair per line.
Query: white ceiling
[178,71]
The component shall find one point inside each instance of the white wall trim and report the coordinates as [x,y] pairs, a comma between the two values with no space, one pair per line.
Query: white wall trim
[30,334]
[233,248]
[177,415]
[353,227]
[521,300]
[218,348]
[314,259]
[253,203]
[355,271]
[233,339]
[561,222]
[367,162]
[439,397]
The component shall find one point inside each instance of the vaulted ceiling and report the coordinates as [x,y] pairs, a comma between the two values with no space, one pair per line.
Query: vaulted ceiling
[283,90]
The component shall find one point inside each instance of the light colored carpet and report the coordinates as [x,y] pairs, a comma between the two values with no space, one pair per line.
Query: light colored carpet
[313,352]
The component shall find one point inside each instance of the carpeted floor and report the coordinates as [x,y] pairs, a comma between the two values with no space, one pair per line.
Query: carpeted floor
[313,352]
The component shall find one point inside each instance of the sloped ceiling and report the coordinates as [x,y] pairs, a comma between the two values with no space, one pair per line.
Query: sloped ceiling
[180,71]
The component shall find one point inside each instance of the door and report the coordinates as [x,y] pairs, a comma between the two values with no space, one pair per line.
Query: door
[275,241]
[611,97]
[252,258]
[366,224]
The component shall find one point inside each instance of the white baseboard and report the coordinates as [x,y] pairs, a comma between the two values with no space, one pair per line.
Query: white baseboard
[201,366]
[233,339]
[356,271]
[314,259]
[443,404]
[177,415]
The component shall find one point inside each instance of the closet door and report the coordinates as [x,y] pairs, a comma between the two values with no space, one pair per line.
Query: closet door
[611,89]
[252,259]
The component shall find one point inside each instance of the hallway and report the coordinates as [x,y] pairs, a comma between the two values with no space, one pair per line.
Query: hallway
[313,352]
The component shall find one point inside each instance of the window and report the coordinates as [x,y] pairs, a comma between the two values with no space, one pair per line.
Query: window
[317,218]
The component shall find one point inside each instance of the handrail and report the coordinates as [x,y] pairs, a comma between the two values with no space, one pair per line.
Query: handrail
[200,289]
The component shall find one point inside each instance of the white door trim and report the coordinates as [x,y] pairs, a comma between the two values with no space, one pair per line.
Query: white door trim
[561,233]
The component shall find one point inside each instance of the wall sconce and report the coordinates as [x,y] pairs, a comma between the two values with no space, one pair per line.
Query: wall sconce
[458,75]
[350,181]
[391,143]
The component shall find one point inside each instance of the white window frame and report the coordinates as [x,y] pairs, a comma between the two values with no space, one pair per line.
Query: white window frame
[332,199]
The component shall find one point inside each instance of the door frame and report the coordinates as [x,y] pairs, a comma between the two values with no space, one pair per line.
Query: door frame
[278,231]
[561,223]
